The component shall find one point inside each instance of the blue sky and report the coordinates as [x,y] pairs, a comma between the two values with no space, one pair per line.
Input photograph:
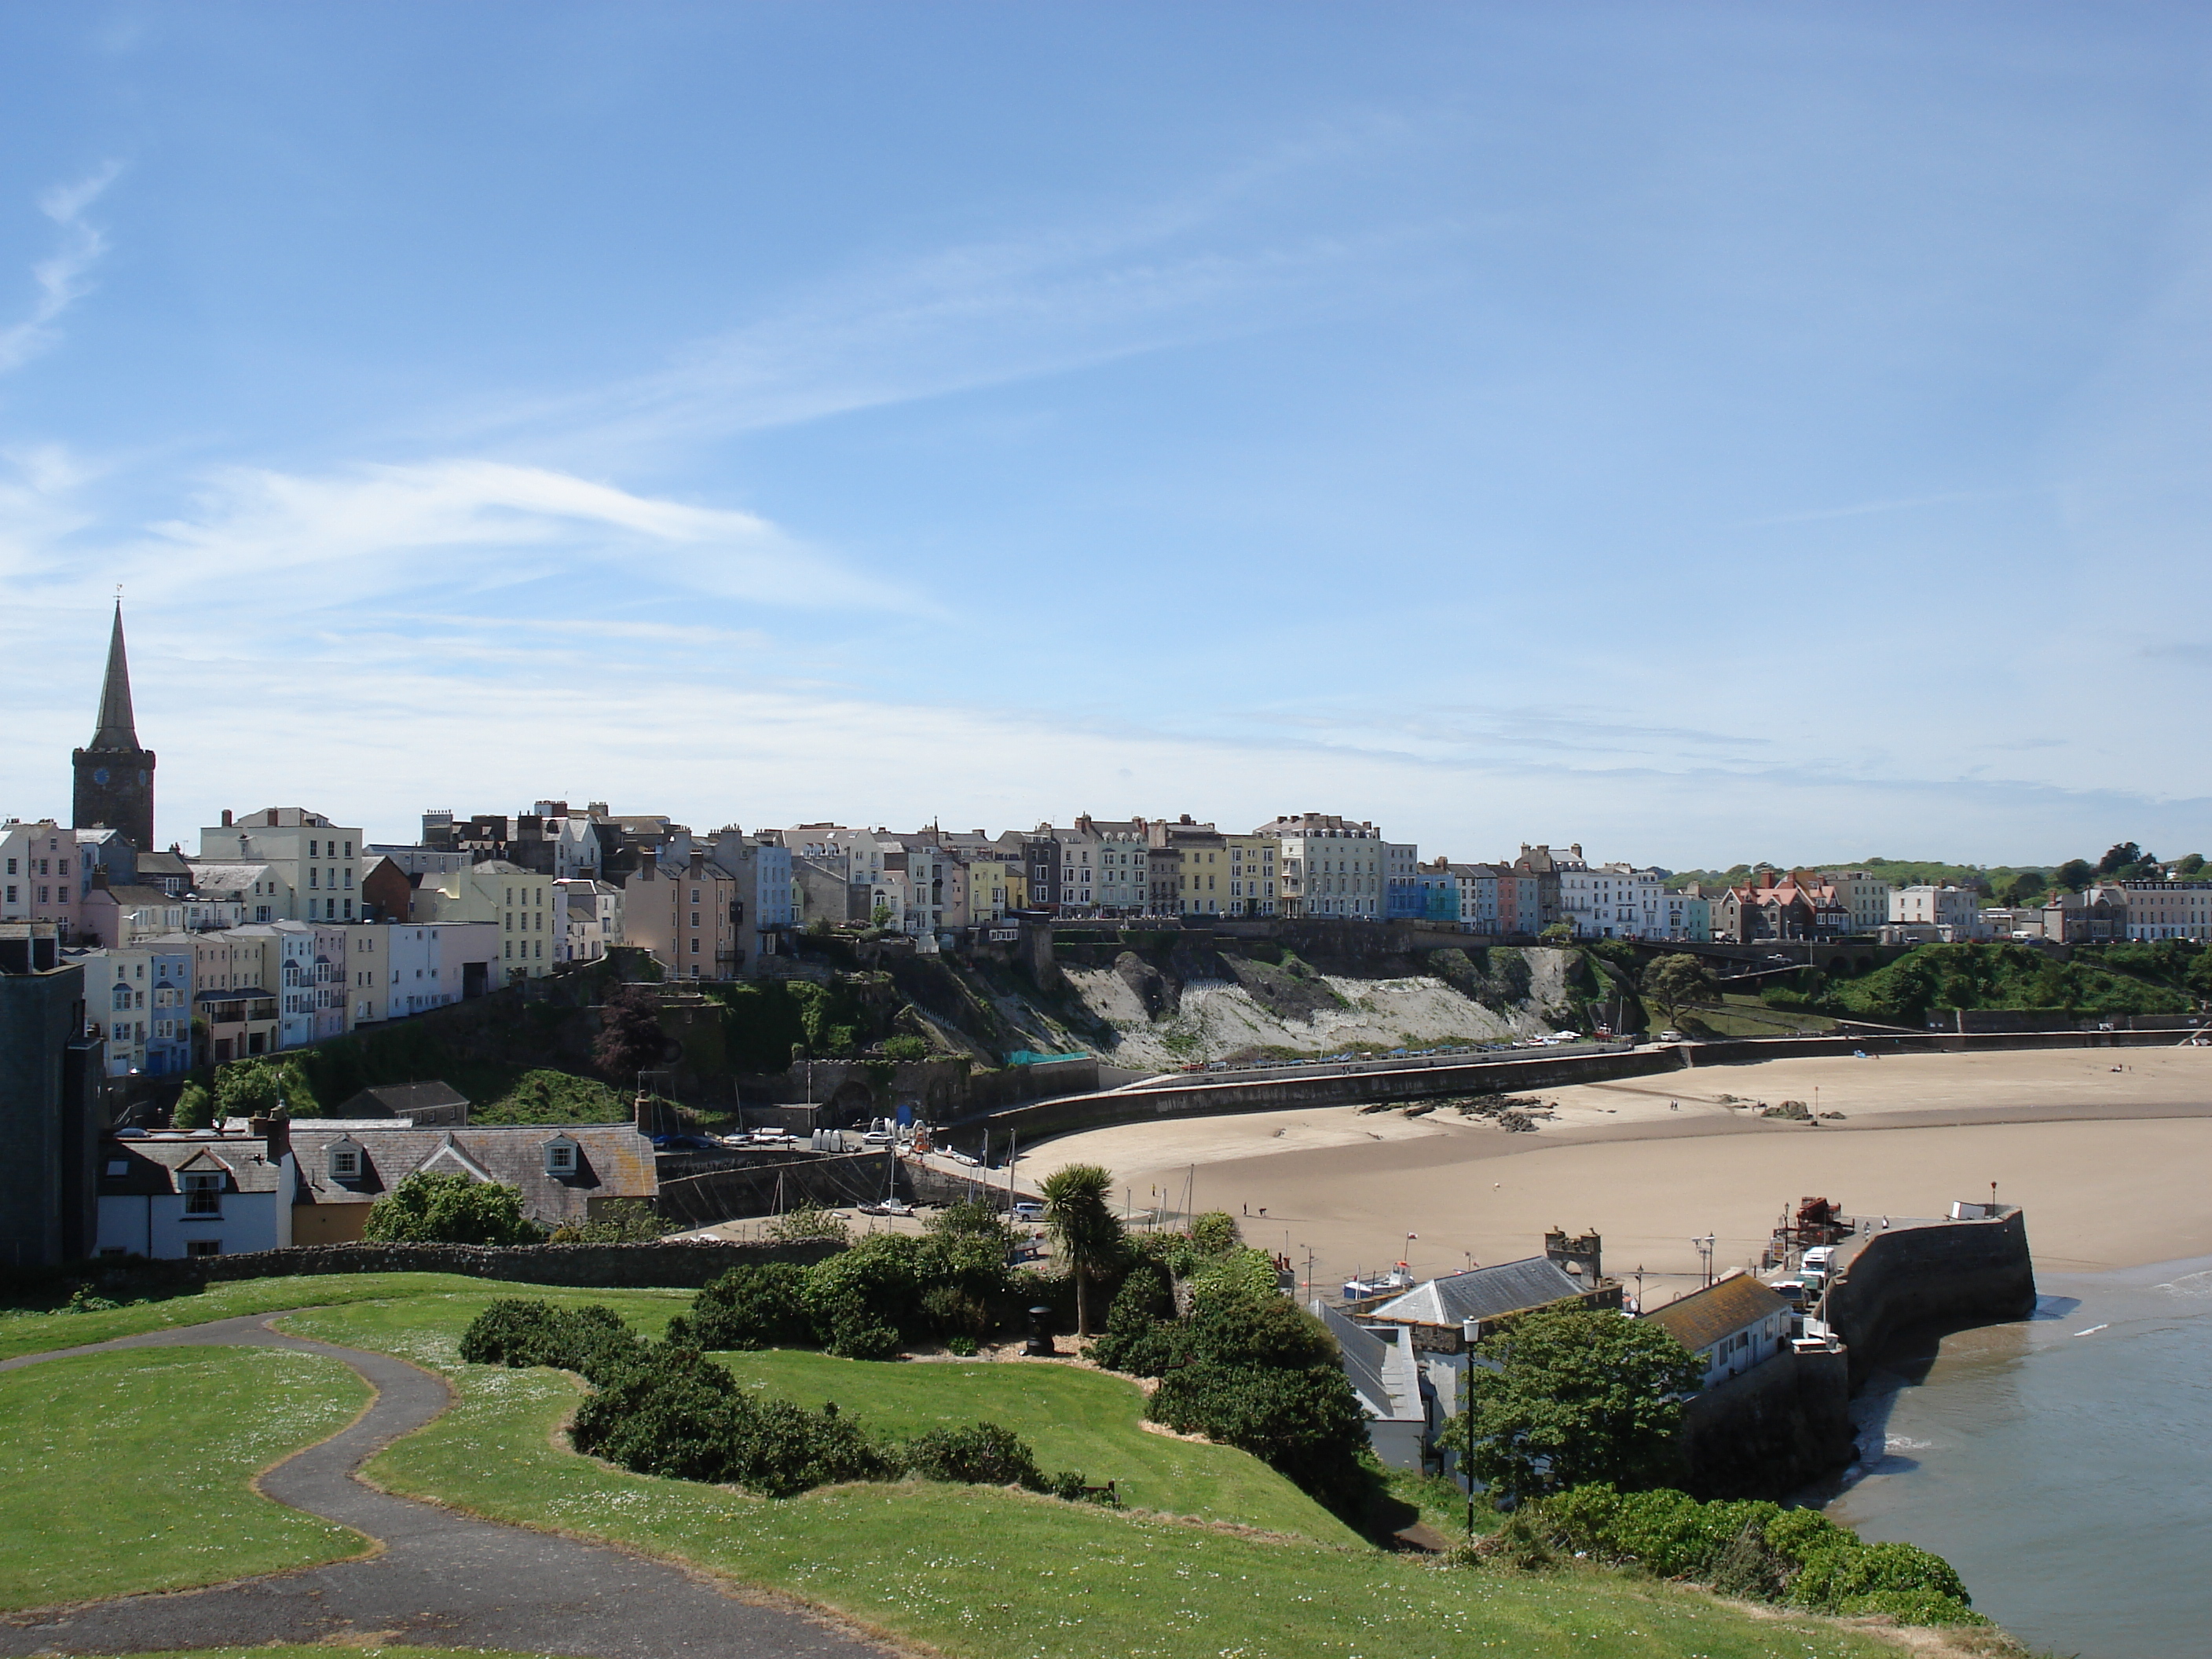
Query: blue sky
[1705,433]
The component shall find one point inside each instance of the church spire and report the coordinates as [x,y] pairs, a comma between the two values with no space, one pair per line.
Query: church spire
[117,729]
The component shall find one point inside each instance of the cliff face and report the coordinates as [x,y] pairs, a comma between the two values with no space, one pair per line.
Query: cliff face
[1154,1010]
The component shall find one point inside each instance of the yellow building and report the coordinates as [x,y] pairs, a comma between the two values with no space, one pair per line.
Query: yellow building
[1253,875]
[522,904]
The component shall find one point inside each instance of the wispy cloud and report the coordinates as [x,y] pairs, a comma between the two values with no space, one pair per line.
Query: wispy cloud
[380,530]
[60,278]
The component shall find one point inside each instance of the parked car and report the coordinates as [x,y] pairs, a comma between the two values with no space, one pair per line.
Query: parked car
[1028,1209]
[685,1144]
[1672,1037]
[1819,1258]
[876,1138]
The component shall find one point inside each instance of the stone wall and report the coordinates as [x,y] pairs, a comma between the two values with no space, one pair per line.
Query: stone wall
[823,1180]
[1068,1114]
[1947,1274]
[671,1263]
[1770,1431]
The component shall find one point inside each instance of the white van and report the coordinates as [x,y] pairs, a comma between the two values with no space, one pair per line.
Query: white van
[1819,1258]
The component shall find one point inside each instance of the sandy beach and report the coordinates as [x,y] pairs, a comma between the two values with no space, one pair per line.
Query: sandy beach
[2107,1149]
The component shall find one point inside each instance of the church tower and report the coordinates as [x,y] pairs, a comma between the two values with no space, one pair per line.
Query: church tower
[114,775]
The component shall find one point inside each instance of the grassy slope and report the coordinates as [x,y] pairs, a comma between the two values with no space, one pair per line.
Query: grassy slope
[989,1573]
[1075,1420]
[39,1332]
[154,1449]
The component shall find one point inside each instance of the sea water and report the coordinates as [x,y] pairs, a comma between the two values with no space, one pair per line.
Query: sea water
[2062,1464]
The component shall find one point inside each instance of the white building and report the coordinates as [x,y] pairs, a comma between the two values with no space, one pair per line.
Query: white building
[1119,848]
[2169,909]
[311,867]
[206,1194]
[1332,867]
[1606,901]
[1729,1327]
[396,968]
[41,877]
[1959,908]
[1862,893]
[1380,1365]
[592,913]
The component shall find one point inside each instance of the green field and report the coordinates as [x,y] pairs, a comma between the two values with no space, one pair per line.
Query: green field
[998,1574]
[129,1471]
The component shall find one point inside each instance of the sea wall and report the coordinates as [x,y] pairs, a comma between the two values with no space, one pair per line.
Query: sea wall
[674,1262]
[1770,1431]
[1039,1119]
[1918,1274]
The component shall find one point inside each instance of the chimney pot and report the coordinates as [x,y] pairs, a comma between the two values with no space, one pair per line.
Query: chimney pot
[226,817]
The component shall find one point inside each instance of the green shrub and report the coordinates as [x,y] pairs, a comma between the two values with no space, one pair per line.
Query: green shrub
[904,1047]
[1838,1578]
[1305,1424]
[450,1209]
[1262,1329]
[1215,1233]
[864,1301]
[981,1454]
[1133,1339]
[1238,1273]
[806,1224]
[619,1221]
[591,1340]
[756,1306]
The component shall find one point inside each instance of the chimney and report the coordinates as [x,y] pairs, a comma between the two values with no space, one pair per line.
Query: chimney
[226,817]
[277,1131]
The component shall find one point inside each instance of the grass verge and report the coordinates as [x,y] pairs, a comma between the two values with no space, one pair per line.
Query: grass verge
[154,1450]
[998,1574]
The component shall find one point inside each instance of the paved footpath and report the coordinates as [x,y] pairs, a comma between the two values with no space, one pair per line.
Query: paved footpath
[442,1579]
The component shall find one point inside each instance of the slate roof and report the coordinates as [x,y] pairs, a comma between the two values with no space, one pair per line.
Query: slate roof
[1484,1293]
[613,1160]
[134,1168]
[1703,1317]
[1384,1374]
[401,1099]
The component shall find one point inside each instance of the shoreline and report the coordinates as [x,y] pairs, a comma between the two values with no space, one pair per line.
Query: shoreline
[2100,1153]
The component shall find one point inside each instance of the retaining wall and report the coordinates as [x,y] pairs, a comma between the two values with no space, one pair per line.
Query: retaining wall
[825,1181]
[1943,1273]
[1774,1429]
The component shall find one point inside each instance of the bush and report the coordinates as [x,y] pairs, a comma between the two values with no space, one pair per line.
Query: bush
[862,1302]
[592,1342]
[800,1225]
[1134,1341]
[1305,1424]
[904,1047]
[1265,1329]
[755,1306]
[983,1454]
[620,1221]
[1752,1549]
[1215,1233]
[1237,1273]
[450,1209]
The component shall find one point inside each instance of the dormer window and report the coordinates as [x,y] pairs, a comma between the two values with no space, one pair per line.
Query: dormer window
[203,1191]
[345,1161]
[560,1157]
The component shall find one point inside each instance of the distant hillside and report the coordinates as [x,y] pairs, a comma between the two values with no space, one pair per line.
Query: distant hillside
[2170,976]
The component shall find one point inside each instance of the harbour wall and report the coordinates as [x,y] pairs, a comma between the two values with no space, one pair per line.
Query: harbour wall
[1776,1428]
[1950,1274]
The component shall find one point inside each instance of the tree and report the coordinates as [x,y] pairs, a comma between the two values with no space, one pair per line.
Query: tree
[249,1088]
[195,1108]
[880,916]
[1671,981]
[450,1209]
[1557,934]
[2188,865]
[2075,874]
[1579,1395]
[2119,856]
[630,1039]
[1084,1230]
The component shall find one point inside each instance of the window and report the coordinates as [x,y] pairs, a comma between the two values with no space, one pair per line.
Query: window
[203,1192]
[559,1158]
[345,1162]
[202,1247]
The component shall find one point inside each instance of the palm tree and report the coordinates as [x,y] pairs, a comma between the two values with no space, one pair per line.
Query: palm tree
[1084,1230]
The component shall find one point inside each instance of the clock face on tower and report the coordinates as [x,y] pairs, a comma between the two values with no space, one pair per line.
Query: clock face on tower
[100,777]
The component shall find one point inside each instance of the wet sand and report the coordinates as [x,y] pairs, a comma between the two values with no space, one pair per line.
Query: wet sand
[2109,1164]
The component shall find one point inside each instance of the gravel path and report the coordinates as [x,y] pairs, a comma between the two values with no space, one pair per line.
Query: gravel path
[441,1578]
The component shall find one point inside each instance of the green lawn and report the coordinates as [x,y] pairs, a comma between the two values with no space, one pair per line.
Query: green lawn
[126,1471]
[35,1333]
[1074,1419]
[995,1574]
